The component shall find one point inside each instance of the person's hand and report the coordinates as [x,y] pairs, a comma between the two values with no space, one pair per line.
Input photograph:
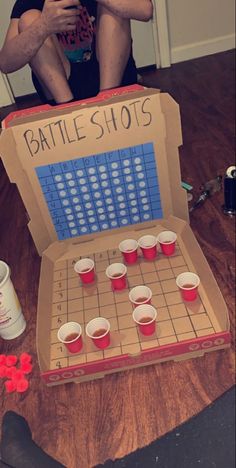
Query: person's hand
[57,18]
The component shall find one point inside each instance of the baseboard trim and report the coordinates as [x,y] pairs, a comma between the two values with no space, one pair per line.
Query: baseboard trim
[203,48]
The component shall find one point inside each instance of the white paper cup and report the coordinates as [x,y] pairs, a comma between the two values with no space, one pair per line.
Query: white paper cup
[12,322]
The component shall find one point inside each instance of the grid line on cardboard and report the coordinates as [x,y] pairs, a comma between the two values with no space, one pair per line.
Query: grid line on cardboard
[103,191]
[174,315]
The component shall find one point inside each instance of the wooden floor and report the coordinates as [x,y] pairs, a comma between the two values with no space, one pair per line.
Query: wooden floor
[83,425]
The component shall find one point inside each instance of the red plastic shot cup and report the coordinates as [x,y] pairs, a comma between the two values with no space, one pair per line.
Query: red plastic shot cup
[70,334]
[188,284]
[148,245]
[116,272]
[140,295]
[85,269]
[98,330]
[167,240]
[129,250]
[145,317]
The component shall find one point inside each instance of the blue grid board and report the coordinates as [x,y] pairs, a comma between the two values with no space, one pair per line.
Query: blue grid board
[103,191]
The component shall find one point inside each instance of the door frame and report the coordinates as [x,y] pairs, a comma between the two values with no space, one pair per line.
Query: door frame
[6,96]
[161,34]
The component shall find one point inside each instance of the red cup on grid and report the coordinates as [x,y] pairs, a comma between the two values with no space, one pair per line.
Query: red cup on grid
[129,250]
[148,245]
[98,330]
[116,272]
[85,269]
[188,284]
[167,240]
[70,334]
[145,317]
[140,295]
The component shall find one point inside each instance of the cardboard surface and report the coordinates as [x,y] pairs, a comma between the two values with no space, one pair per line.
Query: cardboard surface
[90,175]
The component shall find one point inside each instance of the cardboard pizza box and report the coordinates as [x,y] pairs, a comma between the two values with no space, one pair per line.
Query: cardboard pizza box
[92,174]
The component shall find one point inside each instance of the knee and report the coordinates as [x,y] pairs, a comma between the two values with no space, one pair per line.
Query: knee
[28,18]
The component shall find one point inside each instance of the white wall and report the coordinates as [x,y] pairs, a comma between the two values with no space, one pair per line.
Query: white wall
[200,27]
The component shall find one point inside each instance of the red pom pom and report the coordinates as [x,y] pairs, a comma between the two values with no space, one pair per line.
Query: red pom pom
[18,375]
[2,359]
[11,360]
[10,371]
[22,385]
[25,357]
[3,369]
[10,386]
[26,367]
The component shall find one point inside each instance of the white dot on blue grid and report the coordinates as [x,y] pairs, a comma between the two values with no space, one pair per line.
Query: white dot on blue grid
[95,186]
[81,221]
[91,170]
[90,212]
[70,217]
[84,189]
[100,210]
[84,229]
[58,178]
[97,194]
[82,181]
[146,207]
[131,196]
[137,160]
[144,200]
[80,215]
[94,227]
[60,186]
[71,224]
[115,174]
[114,223]
[123,213]
[103,176]
[99,203]
[140,175]
[133,203]
[136,218]
[129,178]
[62,193]
[142,184]
[111,215]
[139,168]
[120,198]
[107,192]
[68,210]
[92,220]
[119,190]
[126,162]
[80,173]
[93,179]
[143,193]
[122,205]
[102,169]
[69,176]
[73,191]
[108,201]
[104,226]
[71,183]
[134,210]
[65,202]
[86,197]
[127,170]
[104,184]
[78,208]
[124,221]
[130,186]
[88,205]
[110,208]
[116,181]
[114,165]
[146,216]
[75,200]
[74,231]
[102,217]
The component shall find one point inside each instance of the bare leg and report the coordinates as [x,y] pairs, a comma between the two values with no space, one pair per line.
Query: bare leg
[50,64]
[113,47]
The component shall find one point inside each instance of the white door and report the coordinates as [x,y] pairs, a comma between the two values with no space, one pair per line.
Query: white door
[145,45]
